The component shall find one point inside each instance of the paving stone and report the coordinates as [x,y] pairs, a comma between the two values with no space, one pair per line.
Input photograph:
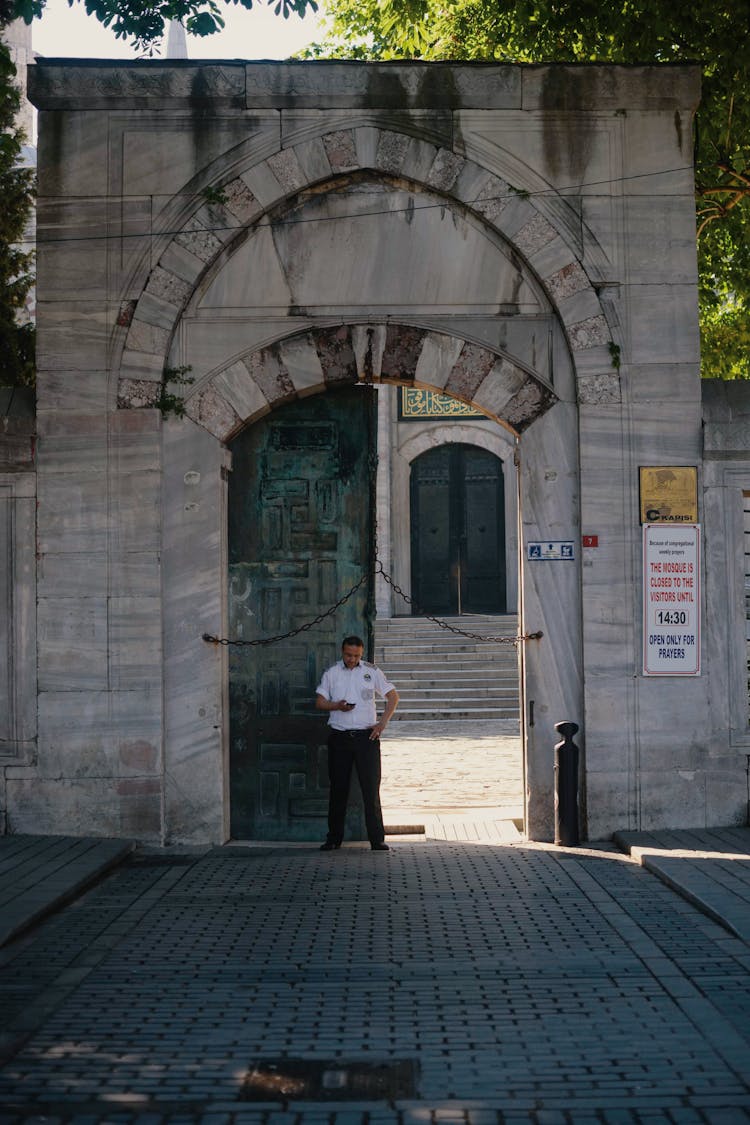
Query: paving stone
[526,982]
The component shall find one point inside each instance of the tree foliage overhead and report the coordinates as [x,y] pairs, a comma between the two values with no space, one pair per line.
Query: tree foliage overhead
[143,22]
[16,193]
[716,34]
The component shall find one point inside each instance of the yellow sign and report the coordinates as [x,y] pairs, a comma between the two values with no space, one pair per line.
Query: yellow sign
[669,494]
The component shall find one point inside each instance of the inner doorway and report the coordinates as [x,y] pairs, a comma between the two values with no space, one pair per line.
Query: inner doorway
[301,523]
[458,531]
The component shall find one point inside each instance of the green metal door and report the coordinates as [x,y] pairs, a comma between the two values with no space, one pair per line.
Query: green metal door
[458,530]
[300,502]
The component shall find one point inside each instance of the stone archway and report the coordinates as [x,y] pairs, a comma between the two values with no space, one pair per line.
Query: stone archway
[331,350]
[264,381]
[167,196]
[321,358]
[540,235]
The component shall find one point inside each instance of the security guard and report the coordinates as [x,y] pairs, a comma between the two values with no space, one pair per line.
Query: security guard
[347,692]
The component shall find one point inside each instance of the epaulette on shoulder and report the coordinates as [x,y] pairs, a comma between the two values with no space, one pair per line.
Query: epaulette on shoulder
[366,664]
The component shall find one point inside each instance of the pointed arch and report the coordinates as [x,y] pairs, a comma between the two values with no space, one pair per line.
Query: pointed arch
[320,358]
[246,196]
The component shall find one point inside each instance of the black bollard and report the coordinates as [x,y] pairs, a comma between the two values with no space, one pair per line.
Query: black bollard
[566,786]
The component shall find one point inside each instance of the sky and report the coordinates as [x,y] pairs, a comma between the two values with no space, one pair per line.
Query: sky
[68,32]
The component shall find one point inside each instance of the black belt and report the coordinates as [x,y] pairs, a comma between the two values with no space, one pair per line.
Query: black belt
[360,730]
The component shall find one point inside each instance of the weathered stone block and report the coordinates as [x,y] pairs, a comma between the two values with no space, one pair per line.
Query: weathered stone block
[267,370]
[596,389]
[588,333]
[137,394]
[72,248]
[499,386]
[241,201]
[445,169]
[312,161]
[146,337]
[567,281]
[470,370]
[534,235]
[201,243]
[73,514]
[100,84]
[437,359]
[325,85]
[169,287]
[336,355]
[341,151]
[241,393]
[598,88]
[301,361]
[60,390]
[72,644]
[135,510]
[401,353]
[369,343]
[212,411]
[135,649]
[74,335]
[85,807]
[419,158]
[392,148]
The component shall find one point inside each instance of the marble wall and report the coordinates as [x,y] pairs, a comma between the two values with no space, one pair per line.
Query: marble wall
[520,237]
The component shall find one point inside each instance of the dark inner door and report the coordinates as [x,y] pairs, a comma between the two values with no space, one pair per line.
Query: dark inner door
[300,502]
[458,531]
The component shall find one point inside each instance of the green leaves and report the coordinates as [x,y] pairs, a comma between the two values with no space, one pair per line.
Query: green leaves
[171,402]
[16,279]
[143,22]
[623,31]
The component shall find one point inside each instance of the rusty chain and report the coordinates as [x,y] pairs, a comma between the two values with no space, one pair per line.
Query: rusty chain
[379,569]
[504,640]
[292,632]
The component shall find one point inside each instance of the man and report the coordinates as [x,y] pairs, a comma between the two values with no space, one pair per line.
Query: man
[347,692]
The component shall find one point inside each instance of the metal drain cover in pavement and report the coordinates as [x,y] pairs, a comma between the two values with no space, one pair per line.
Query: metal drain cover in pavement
[324,1080]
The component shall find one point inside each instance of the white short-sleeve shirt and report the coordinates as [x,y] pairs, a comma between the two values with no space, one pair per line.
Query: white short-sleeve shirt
[357,685]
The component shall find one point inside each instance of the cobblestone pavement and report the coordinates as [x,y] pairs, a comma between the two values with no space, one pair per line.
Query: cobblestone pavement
[438,983]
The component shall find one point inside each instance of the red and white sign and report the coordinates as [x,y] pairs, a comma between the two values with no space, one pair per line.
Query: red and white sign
[671,600]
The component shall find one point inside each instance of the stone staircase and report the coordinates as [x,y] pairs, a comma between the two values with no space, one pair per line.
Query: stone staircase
[442,675]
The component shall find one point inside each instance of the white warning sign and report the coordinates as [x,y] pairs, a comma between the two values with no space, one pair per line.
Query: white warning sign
[671,600]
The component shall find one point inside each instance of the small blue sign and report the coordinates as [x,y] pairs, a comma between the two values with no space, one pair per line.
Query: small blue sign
[559,550]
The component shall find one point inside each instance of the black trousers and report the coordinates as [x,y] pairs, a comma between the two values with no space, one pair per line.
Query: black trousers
[346,749]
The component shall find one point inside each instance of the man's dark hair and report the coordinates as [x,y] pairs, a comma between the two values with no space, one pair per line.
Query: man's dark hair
[353,641]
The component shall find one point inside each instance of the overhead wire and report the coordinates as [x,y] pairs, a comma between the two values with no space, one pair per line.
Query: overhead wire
[519,193]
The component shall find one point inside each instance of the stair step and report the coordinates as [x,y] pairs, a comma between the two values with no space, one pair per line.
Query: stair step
[462,664]
[415,691]
[452,683]
[428,651]
[456,714]
[446,677]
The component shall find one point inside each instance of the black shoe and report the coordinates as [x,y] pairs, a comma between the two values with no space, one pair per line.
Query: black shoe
[380,847]
[329,846]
